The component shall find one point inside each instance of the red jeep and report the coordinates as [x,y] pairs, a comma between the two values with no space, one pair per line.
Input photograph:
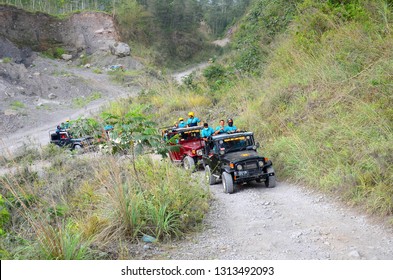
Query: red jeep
[187,145]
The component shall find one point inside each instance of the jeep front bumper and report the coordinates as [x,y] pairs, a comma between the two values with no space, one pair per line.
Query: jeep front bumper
[250,175]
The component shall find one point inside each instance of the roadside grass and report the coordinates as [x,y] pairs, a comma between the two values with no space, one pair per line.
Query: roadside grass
[6,60]
[163,203]
[80,102]
[97,71]
[83,207]
[17,105]
[124,77]
[62,73]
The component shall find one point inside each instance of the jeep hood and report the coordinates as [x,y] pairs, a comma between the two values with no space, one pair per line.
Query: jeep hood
[192,145]
[241,156]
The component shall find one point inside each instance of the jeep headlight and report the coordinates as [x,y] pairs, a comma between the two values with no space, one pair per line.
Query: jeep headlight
[260,163]
[199,152]
[239,167]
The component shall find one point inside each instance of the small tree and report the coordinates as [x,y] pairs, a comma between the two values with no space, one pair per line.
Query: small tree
[135,134]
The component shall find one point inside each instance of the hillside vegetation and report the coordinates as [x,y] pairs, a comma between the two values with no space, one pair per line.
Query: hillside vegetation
[314,80]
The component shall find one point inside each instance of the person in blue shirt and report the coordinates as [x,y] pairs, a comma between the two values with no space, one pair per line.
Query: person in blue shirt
[192,121]
[181,124]
[67,124]
[230,128]
[206,131]
[221,128]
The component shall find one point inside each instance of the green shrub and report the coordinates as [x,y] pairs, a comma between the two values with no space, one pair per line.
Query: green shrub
[6,59]
[55,52]
[4,215]
[156,203]
[17,105]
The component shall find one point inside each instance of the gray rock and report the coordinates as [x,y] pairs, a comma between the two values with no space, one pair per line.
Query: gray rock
[10,112]
[21,90]
[354,254]
[120,49]
[52,96]
[66,57]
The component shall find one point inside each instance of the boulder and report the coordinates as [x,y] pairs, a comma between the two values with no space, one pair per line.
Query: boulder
[120,49]
[66,57]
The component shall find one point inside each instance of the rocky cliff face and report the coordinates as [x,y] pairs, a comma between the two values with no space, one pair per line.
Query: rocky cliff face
[80,32]
[35,89]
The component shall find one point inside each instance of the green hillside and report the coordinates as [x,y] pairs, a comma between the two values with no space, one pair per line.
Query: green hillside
[314,80]
[324,100]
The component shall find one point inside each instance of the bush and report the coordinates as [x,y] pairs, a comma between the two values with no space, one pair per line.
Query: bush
[159,201]
[4,215]
[55,52]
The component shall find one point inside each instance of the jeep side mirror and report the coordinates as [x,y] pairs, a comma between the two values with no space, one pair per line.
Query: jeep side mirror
[257,145]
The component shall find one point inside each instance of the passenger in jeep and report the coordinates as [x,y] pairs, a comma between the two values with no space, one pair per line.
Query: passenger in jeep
[230,128]
[206,131]
[58,129]
[192,120]
[182,124]
[221,128]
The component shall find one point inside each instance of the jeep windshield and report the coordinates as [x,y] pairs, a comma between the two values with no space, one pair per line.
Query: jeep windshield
[236,143]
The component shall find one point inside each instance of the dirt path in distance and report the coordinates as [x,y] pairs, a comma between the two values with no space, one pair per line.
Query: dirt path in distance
[36,128]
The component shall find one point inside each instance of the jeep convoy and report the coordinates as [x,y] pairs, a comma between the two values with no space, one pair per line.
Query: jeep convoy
[231,158]
[228,157]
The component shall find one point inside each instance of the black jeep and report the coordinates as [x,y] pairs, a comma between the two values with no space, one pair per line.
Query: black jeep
[233,158]
[63,139]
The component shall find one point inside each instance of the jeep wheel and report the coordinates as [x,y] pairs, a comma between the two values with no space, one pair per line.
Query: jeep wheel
[189,163]
[78,147]
[227,182]
[209,176]
[270,180]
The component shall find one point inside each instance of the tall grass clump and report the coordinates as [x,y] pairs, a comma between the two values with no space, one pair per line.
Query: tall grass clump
[161,202]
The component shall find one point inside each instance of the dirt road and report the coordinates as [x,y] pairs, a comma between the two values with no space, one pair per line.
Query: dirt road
[286,222]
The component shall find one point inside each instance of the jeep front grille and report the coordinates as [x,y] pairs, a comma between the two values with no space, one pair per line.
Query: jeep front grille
[250,165]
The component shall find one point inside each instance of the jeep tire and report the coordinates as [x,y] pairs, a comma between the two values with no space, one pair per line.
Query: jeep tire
[78,147]
[270,180]
[209,176]
[189,163]
[227,182]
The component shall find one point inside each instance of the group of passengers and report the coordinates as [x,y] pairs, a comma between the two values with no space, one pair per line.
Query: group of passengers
[192,121]
[63,126]
[207,131]
[222,128]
